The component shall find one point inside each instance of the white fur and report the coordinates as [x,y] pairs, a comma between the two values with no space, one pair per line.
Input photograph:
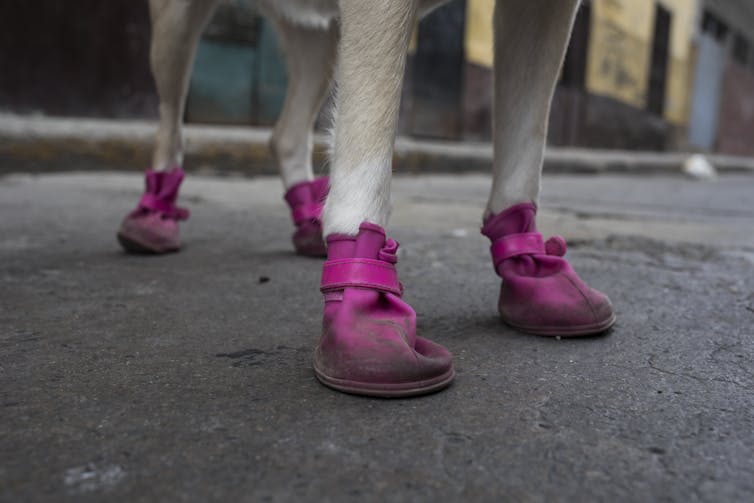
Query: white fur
[361,194]
[176,26]
[319,13]
[306,13]
[371,62]
[310,54]
[530,41]
[531,36]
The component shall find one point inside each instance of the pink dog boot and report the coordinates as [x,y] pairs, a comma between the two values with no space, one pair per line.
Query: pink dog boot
[541,293]
[369,344]
[153,226]
[306,200]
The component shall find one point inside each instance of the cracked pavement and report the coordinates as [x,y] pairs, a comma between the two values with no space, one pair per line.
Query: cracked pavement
[187,377]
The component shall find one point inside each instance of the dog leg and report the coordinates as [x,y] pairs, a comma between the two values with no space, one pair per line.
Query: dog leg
[310,54]
[540,292]
[530,41]
[372,57]
[176,27]
[153,226]
[369,343]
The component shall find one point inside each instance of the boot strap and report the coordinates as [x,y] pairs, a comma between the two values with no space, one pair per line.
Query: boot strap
[360,273]
[152,202]
[306,212]
[513,245]
[306,199]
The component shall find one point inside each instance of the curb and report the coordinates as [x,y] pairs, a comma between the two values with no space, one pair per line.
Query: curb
[43,144]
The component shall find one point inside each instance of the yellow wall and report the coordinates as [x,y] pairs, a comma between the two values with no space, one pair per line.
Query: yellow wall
[681,61]
[479,43]
[620,51]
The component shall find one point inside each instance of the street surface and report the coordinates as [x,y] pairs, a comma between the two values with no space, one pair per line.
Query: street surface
[187,377]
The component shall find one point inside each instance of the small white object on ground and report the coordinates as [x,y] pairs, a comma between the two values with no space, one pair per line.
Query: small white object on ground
[698,167]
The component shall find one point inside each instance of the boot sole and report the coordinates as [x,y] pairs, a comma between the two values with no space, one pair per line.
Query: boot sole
[577,331]
[132,246]
[387,390]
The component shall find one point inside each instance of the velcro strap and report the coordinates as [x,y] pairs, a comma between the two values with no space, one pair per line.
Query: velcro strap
[154,203]
[360,273]
[308,211]
[513,245]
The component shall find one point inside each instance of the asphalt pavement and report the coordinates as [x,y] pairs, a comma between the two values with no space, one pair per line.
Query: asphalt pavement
[188,377]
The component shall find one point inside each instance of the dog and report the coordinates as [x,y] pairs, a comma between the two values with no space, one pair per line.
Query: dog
[368,343]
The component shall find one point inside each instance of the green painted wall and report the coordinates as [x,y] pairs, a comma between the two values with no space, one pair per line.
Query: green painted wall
[222,84]
[239,74]
[271,76]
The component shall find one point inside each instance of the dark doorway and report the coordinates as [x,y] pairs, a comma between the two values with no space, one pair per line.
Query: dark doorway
[574,66]
[437,73]
[659,66]
[82,58]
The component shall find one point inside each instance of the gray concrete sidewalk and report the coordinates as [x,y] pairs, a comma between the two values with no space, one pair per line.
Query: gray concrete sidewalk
[187,377]
[43,144]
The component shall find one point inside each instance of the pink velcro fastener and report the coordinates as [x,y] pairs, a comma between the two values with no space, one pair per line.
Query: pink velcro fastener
[556,245]
[152,202]
[360,273]
[306,212]
[513,245]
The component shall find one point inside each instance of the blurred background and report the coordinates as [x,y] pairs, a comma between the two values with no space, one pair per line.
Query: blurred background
[661,75]
[188,377]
